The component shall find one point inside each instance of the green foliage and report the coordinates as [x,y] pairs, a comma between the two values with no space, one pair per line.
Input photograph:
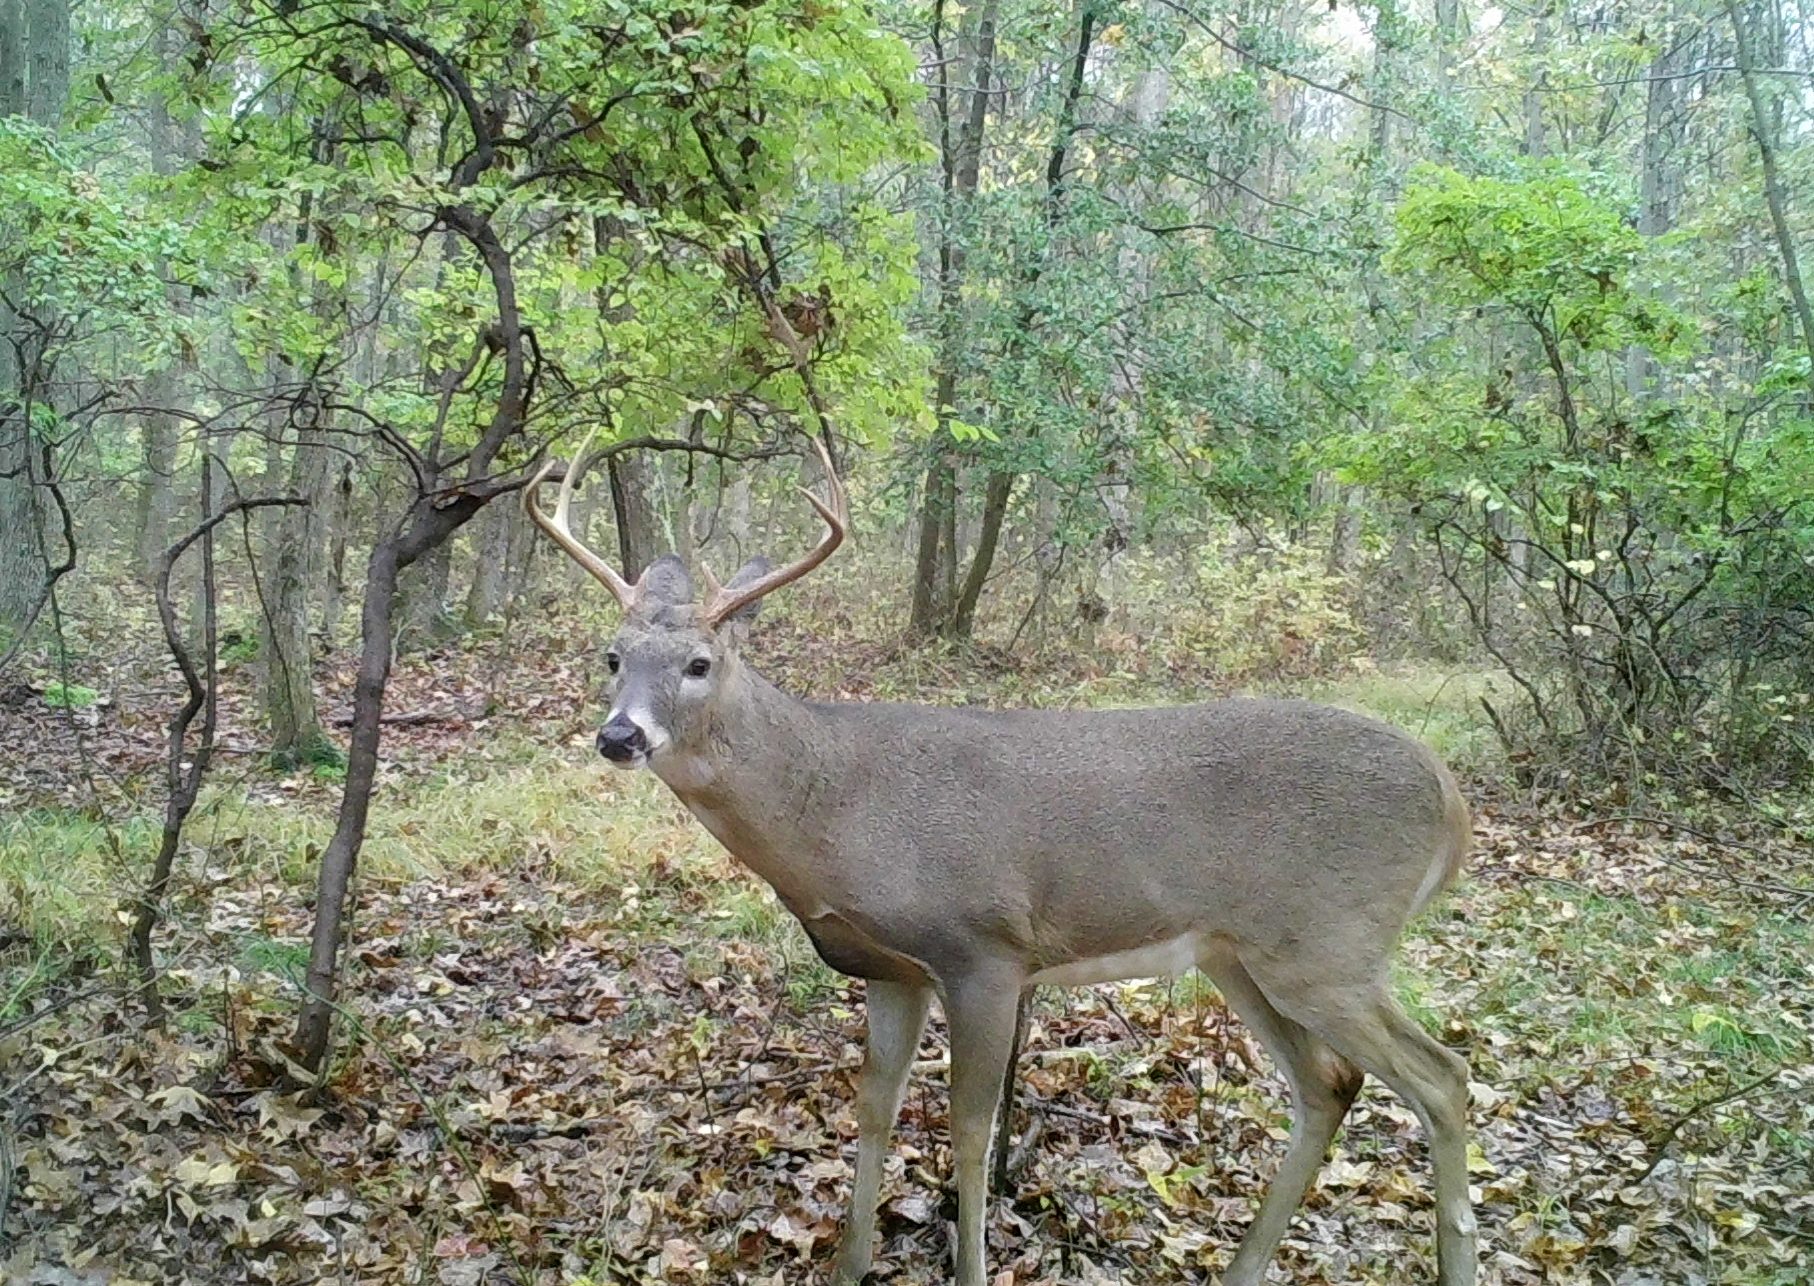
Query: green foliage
[689,143]
[1551,245]
[69,696]
[318,753]
[1636,561]
[239,647]
[78,248]
[1266,616]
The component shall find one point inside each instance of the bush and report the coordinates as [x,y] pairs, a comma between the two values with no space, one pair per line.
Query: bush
[1638,554]
[1261,616]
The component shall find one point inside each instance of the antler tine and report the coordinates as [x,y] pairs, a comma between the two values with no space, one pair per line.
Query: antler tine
[721,604]
[561,530]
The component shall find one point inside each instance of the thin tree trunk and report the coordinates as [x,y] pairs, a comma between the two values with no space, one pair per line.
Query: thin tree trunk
[1656,151]
[298,561]
[935,564]
[638,531]
[429,523]
[1001,482]
[157,488]
[491,566]
[1764,128]
[34,80]
[1534,141]
[336,521]
[169,151]
[287,645]
[995,509]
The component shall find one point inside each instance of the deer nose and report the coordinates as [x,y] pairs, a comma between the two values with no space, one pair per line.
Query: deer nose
[621,740]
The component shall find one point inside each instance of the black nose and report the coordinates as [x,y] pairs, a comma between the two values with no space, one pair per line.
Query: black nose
[621,741]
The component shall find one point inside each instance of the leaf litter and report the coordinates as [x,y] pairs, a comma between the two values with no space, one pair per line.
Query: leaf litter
[543,1081]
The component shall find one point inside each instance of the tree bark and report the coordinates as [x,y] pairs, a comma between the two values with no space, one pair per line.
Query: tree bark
[287,645]
[12,58]
[1764,128]
[336,521]
[935,563]
[34,80]
[169,149]
[299,557]
[491,565]
[638,528]
[995,509]
[424,593]
[47,60]
[1656,153]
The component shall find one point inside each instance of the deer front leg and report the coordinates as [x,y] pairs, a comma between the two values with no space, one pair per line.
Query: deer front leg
[897,1015]
[981,1013]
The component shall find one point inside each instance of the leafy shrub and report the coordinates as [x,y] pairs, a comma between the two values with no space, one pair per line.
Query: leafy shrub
[1273,614]
[1630,541]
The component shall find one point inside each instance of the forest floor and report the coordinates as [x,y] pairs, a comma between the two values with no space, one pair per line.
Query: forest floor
[579,1044]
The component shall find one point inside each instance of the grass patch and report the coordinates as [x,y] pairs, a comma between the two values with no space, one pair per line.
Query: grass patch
[1440,707]
[287,960]
[63,875]
[69,696]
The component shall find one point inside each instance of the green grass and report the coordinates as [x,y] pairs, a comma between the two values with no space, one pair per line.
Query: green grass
[269,955]
[69,696]
[63,875]
[1438,706]
[1598,976]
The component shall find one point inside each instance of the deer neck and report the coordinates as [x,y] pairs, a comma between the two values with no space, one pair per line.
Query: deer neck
[754,779]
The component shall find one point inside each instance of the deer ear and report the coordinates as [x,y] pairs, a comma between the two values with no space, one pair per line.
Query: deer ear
[665,583]
[754,568]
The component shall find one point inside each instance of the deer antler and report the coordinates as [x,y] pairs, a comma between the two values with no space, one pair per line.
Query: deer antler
[559,528]
[721,603]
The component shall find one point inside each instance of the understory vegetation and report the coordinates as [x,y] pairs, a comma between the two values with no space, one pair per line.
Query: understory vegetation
[583,1046]
[1449,363]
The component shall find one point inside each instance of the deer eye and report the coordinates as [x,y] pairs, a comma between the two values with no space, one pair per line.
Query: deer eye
[613,661]
[699,667]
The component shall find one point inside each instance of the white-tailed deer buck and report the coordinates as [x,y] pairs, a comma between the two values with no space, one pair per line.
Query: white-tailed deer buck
[1278,846]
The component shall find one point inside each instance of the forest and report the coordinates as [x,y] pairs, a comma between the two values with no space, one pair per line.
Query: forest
[1450,363]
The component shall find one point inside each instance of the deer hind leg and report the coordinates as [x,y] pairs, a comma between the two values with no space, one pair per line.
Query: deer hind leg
[897,1016]
[1366,1024]
[1323,1086]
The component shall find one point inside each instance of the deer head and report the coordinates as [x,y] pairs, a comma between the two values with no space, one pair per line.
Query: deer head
[674,661]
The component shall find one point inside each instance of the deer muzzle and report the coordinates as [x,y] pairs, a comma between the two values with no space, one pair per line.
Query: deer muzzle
[622,741]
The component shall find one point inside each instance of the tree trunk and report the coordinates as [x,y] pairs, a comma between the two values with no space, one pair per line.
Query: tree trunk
[1534,141]
[423,592]
[12,58]
[995,509]
[491,565]
[336,520]
[169,150]
[737,518]
[287,646]
[1656,153]
[47,60]
[1764,128]
[156,501]
[935,563]
[638,529]
[34,80]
